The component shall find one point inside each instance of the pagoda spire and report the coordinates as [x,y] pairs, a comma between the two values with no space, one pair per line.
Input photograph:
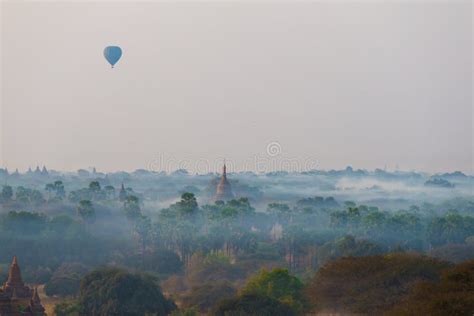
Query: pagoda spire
[223,190]
[15,287]
[35,304]
[122,193]
[36,298]
[14,274]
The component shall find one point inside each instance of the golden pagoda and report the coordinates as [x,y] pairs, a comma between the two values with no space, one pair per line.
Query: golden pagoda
[224,190]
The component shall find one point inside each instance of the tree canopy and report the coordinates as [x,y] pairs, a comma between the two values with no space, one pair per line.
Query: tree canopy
[252,305]
[369,284]
[277,284]
[453,295]
[113,291]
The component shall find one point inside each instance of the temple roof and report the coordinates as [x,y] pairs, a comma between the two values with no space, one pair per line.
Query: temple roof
[14,274]
[15,295]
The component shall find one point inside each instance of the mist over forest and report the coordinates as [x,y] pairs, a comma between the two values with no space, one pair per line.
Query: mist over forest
[285,90]
[210,257]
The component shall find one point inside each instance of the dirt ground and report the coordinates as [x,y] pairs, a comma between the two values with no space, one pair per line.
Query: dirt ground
[48,302]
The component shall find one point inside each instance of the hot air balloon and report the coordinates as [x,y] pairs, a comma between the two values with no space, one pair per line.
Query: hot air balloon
[112,54]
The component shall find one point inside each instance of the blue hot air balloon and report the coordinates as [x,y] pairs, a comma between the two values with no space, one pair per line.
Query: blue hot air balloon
[112,54]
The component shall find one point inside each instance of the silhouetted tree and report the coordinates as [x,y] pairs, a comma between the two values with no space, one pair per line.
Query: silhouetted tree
[6,194]
[132,207]
[111,291]
[86,211]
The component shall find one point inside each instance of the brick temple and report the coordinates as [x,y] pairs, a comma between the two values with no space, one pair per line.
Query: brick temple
[18,299]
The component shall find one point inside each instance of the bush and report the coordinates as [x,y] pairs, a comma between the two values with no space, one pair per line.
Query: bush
[344,247]
[453,295]
[253,305]
[205,296]
[455,253]
[212,269]
[369,284]
[68,308]
[162,261]
[277,284]
[66,280]
[185,312]
[112,291]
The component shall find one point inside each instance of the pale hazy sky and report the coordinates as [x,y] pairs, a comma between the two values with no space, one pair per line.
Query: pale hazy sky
[357,83]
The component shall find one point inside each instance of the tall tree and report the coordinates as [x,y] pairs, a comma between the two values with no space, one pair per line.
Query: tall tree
[7,193]
[132,207]
[86,211]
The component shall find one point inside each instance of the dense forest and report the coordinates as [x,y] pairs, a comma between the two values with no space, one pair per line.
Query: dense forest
[148,243]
